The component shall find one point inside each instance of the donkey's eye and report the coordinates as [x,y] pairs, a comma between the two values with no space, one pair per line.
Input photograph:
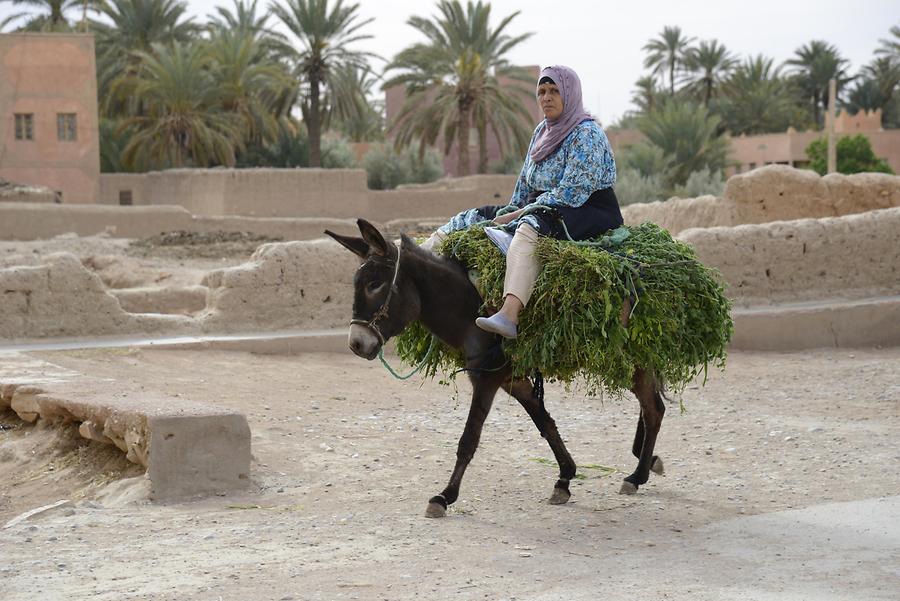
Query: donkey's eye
[372,287]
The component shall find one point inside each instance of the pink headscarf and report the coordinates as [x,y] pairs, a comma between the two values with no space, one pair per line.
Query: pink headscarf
[556,130]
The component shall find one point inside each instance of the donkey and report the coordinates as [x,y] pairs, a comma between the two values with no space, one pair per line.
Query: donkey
[397,285]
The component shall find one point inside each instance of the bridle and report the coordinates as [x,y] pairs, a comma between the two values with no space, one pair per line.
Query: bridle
[383,309]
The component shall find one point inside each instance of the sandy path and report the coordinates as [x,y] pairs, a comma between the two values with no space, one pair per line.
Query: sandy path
[764,474]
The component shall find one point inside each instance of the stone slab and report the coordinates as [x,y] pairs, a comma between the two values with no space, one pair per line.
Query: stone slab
[840,324]
[188,448]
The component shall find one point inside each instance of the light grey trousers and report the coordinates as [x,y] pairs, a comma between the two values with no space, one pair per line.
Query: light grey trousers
[522,267]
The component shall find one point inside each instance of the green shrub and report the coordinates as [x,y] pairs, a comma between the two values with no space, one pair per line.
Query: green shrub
[336,153]
[386,169]
[700,183]
[854,155]
[292,150]
[632,187]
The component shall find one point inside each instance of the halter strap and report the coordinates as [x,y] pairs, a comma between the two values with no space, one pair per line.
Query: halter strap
[383,309]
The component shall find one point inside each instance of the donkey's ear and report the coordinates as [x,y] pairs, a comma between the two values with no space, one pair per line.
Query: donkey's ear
[370,234]
[357,246]
[407,242]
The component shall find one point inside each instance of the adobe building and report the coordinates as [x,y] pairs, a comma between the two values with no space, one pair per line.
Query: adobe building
[789,148]
[48,113]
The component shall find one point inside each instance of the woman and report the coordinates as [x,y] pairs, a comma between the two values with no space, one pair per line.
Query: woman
[567,178]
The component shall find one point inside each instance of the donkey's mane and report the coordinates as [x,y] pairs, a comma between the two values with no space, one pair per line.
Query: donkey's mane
[440,266]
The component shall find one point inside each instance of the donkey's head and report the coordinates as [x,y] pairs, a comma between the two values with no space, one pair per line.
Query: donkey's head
[384,301]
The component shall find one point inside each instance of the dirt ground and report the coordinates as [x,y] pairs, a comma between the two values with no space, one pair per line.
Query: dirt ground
[782,482]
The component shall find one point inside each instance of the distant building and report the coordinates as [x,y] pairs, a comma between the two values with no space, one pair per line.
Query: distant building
[48,113]
[396,96]
[789,148]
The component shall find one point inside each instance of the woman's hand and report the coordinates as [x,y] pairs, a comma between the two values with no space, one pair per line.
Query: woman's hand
[504,219]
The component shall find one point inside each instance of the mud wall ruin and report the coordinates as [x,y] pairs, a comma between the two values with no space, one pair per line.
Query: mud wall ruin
[283,286]
[60,298]
[806,260]
[36,222]
[316,193]
[773,193]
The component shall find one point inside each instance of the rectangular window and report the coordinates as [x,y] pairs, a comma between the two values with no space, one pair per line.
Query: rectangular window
[125,198]
[66,127]
[24,126]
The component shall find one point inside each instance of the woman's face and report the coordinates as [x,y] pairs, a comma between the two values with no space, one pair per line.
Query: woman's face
[550,100]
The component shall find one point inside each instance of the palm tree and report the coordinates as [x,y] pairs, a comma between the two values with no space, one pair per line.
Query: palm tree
[51,14]
[324,29]
[865,95]
[667,52]
[182,123]
[709,64]
[461,77]
[757,99]
[354,114]
[258,90]
[885,73]
[137,25]
[646,94]
[687,133]
[814,65]
[243,20]
[890,46]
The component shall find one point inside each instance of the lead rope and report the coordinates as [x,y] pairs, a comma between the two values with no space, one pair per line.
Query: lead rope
[418,368]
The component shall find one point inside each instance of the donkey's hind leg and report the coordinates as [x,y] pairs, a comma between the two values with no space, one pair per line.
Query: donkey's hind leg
[657,465]
[652,411]
[523,392]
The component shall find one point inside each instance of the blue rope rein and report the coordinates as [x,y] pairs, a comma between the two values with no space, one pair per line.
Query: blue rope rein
[417,369]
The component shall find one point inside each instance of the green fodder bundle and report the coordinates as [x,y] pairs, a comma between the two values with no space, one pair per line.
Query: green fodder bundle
[572,329]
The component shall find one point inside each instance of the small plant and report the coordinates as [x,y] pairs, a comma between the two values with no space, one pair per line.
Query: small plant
[700,183]
[633,187]
[854,155]
[386,168]
[336,153]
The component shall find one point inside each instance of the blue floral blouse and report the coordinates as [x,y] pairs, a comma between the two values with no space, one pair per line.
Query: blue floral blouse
[582,164]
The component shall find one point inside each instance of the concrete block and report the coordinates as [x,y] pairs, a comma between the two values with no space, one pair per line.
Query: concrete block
[188,448]
[837,324]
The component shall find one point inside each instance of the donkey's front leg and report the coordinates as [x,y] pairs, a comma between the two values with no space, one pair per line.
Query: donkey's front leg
[485,387]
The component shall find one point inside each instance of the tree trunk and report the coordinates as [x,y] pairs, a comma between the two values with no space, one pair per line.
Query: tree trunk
[672,77]
[314,126]
[482,148]
[462,139]
[816,107]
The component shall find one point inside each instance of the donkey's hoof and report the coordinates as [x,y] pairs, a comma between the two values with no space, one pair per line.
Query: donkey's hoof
[435,510]
[628,488]
[437,507]
[657,467]
[560,496]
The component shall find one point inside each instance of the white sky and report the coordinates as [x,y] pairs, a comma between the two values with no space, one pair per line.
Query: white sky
[602,40]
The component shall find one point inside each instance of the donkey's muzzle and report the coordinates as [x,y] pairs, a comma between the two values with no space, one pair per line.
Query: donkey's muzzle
[363,342]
